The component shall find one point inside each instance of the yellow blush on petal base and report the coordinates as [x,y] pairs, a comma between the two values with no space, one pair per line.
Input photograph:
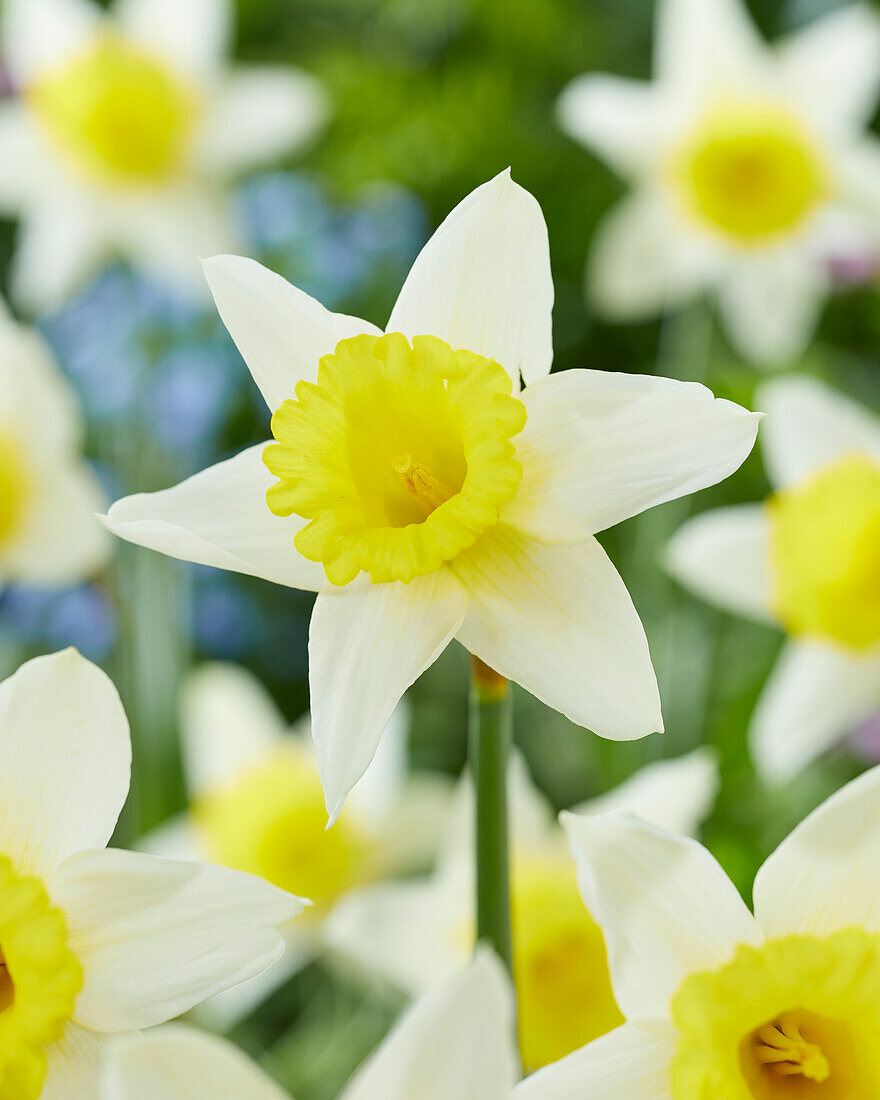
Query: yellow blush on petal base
[825,554]
[272,822]
[13,488]
[750,172]
[563,985]
[118,113]
[39,982]
[399,456]
[794,1019]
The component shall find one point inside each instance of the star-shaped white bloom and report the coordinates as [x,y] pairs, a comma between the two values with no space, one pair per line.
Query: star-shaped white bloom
[415,934]
[98,941]
[125,132]
[720,1003]
[48,494]
[425,498]
[750,169]
[256,805]
[454,1044]
[807,559]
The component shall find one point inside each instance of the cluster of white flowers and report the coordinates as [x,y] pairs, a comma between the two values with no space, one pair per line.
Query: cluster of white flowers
[428,482]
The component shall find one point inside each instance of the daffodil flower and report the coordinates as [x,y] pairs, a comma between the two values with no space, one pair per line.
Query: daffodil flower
[256,805]
[424,497]
[750,169]
[125,132]
[455,1044]
[416,933]
[48,494]
[808,560]
[93,941]
[720,1003]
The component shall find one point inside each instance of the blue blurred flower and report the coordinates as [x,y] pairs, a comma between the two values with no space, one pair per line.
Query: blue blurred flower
[54,618]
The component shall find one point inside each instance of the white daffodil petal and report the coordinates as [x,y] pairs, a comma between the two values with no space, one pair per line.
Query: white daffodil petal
[61,540]
[177,1062]
[627,1063]
[624,121]
[770,305]
[175,838]
[67,760]
[220,517]
[816,693]
[599,447]
[809,426]
[23,159]
[365,649]
[193,36]
[483,281]
[723,555]
[664,904]
[413,935]
[559,621]
[858,168]
[61,243]
[41,34]
[706,45]
[671,794]
[832,66]
[73,1065]
[155,936]
[228,722]
[280,331]
[456,1042]
[641,264]
[258,114]
[826,875]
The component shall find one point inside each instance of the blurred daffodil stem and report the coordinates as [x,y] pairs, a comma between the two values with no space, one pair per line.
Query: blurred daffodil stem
[489,747]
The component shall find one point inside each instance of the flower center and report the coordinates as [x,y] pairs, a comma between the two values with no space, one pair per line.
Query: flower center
[271,822]
[39,982]
[825,552]
[13,488]
[399,456]
[563,986]
[118,113]
[795,1018]
[750,172]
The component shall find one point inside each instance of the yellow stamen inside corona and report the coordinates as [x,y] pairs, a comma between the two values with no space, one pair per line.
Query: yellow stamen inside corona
[39,982]
[118,113]
[563,985]
[399,456]
[271,821]
[13,488]
[825,553]
[750,172]
[795,1018]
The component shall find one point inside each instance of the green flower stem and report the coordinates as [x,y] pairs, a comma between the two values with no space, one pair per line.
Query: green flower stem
[490,734]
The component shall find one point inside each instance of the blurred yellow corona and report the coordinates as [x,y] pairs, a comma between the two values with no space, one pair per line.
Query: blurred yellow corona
[120,114]
[13,487]
[825,546]
[563,985]
[797,1017]
[272,822]
[39,982]
[750,172]
[400,456]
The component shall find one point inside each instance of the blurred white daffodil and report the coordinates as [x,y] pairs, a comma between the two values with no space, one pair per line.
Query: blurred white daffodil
[256,805]
[750,166]
[96,941]
[807,559]
[720,1003]
[125,131]
[415,934]
[423,497]
[48,494]
[455,1044]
